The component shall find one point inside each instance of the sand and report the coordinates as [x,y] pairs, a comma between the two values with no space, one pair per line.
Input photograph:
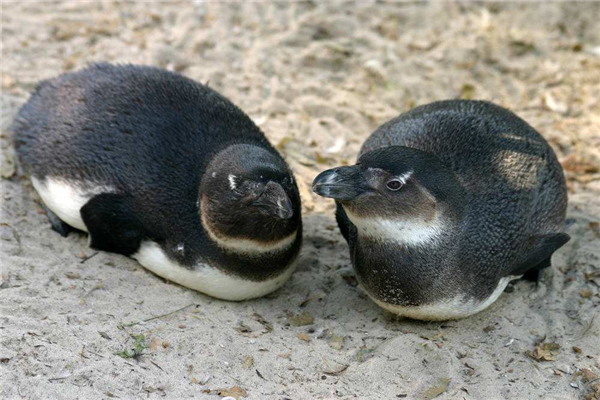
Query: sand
[317,78]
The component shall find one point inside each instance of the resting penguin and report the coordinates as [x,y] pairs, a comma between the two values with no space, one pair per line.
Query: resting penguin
[446,204]
[167,171]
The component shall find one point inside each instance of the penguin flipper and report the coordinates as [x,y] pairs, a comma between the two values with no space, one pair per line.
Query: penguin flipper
[342,221]
[539,253]
[111,223]
[58,224]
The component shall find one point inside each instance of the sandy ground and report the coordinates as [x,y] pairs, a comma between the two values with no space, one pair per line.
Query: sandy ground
[318,79]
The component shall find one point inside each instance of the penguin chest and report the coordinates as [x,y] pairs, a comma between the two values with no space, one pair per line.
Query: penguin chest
[449,308]
[206,278]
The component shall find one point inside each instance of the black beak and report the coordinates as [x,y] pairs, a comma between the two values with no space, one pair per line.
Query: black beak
[342,183]
[275,202]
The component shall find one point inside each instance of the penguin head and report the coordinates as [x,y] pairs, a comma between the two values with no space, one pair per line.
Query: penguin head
[394,185]
[249,193]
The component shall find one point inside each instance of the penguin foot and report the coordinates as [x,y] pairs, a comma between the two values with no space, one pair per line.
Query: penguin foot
[57,224]
[534,275]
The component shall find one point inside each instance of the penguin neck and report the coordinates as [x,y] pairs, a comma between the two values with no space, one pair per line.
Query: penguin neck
[243,246]
[409,232]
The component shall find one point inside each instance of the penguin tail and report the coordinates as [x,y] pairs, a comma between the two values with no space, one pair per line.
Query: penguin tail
[539,254]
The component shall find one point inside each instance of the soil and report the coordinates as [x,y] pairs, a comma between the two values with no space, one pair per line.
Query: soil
[318,78]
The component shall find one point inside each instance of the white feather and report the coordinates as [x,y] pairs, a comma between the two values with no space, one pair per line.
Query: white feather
[207,279]
[404,177]
[65,198]
[232,184]
[407,232]
[454,308]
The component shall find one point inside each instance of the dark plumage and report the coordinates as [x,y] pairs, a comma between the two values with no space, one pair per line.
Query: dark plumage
[481,200]
[160,158]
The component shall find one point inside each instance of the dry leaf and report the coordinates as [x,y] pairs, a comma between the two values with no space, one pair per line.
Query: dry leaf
[236,392]
[467,91]
[284,141]
[588,375]
[154,344]
[579,164]
[336,342]
[301,320]
[261,320]
[436,390]
[333,370]
[248,362]
[304,336]
[322,159]
[544,352]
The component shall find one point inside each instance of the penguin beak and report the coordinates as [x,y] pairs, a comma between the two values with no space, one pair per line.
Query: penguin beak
[342,183]
[275,202]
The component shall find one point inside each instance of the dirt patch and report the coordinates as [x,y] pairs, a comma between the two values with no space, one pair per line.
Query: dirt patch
[318,79]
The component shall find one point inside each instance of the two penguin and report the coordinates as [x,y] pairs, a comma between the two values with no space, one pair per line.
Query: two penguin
[446,204]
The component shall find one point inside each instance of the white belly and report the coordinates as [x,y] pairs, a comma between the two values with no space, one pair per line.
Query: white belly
[207,279]
[455,308]
[65,198]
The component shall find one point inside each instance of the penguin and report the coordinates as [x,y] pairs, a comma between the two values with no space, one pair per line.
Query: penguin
[165,170]
[446,205]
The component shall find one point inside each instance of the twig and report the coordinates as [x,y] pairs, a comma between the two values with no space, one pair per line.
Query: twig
[87,258]
[587,329]
[99,285]
[157,366]
[159,316]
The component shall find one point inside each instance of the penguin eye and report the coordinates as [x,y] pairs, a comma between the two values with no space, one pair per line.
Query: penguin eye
[394,184]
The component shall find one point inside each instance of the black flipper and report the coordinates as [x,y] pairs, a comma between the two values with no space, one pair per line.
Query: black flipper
[112,225]
[58,224]
[343,221]
[538,254]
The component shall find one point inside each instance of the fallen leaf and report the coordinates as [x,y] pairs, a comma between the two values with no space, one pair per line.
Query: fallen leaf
[248,362]
[333,370]
[261,320]
[154,344]
[336,342]
[73,275]
[364,354]
[304,336]
[578,164]
[322,159]
[284,140]
[244,330]
[544,352]
[236,392]
[588,375]
[467,91]
[586,293]
[438,389]
[301,320]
